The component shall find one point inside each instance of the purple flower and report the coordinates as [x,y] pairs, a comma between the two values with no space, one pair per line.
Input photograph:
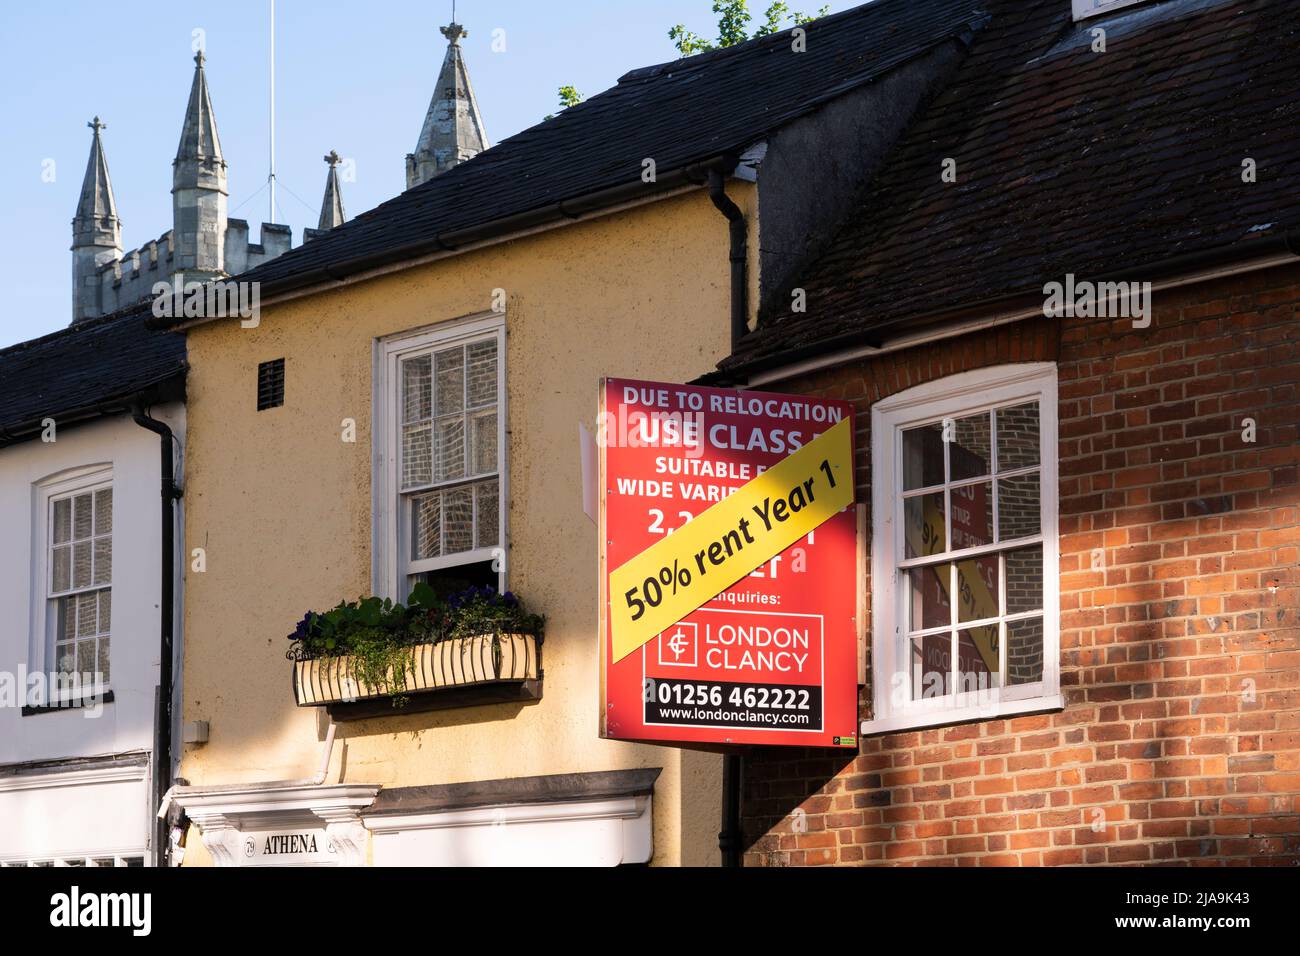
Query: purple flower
[304,628]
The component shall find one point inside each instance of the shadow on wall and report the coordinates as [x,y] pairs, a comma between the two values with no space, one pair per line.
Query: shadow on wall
[789,802]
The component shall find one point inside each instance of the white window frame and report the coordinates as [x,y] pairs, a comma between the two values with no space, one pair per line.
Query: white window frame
[81,480]
[391,563]
[950,398]
[1085,9]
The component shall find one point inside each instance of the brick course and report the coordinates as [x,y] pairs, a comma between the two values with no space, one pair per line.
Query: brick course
[1180,656]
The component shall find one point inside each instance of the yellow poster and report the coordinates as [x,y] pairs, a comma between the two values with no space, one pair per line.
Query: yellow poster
[682,572]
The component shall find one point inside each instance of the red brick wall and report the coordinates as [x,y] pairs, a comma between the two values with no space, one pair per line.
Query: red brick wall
[1180,659]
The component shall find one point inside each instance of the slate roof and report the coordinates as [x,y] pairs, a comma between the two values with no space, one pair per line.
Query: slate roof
[67,374]
[680,114]
[1068,161]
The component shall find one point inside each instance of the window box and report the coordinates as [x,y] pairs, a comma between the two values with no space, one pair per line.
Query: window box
[373,658]
[489,659]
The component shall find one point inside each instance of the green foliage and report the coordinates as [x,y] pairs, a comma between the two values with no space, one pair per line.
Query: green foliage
[569,96]
[733,18]
[778,14]
[483,611]
[733,25]
[381,661]
[423,619]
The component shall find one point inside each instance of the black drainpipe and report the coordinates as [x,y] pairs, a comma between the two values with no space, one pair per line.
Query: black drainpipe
[163,730]
[731,837]
[739,255]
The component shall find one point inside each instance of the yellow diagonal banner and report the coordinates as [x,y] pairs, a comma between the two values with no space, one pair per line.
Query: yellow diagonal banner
[679,574]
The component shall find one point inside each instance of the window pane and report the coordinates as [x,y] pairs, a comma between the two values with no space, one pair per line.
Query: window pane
[87,614]
[488,512]
[923,457]
[1025,651]
[1018,437]
[925,529]
[929,597]
[103,561]
[972,515]
[977,658]
[65,657]
[930,665]
[65,619]
[104,511]
[86,659]
[426,537]
[417,393]
[62,571]
[81,564]
[970,452]
[458,520]
[484,442]
[81,523]
[102,660]
[1019,514]
[977,588]
[450,448]
[483,374]
[62,520]
[450,382]
[105,611]
[1024,580]
[417,456]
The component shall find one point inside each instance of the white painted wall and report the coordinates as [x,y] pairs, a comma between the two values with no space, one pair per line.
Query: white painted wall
[126,724]
[74,815]
[573,833]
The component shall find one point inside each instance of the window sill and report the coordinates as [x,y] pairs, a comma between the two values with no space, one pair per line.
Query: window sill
[963,715]
[79,703]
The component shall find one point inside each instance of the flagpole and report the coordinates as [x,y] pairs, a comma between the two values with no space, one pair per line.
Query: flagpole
[272,177]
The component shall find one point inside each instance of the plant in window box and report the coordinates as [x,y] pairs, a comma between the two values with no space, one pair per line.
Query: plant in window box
[492,633]
[371,649]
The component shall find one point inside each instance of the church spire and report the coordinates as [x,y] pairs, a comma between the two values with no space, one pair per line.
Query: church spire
[199,194]
[331,207]
[96,230]
[96,219]
[199,140]
[453,128]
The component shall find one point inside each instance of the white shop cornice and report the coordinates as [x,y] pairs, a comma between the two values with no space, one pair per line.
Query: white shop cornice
[224,814]
[620,808]
[73,778]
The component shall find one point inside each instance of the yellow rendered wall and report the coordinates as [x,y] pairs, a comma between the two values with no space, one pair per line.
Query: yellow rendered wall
[282,507]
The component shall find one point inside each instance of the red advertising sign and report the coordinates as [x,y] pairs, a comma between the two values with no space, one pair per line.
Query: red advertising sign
[773,658]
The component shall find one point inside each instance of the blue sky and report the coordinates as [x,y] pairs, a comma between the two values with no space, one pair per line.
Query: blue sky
[356,77]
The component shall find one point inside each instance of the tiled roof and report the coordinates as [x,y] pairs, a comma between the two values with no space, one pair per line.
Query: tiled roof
[679,114]
[1068,161]
[72,371]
